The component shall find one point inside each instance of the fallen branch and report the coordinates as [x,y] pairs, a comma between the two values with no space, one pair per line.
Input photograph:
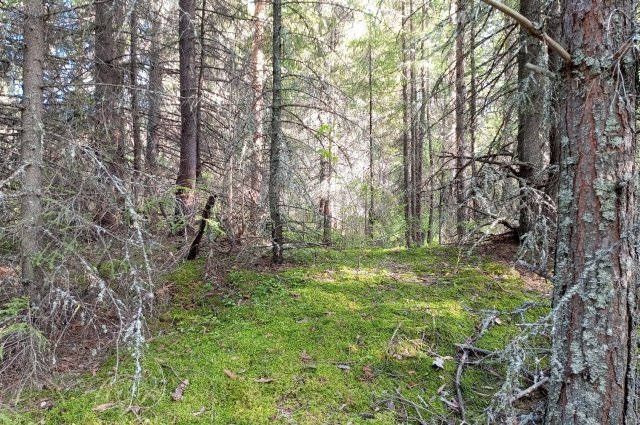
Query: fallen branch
[206,213]
[531,29]
[528,391]
[474,349]
[466,348]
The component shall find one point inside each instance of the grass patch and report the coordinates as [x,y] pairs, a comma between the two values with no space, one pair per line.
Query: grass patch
[329,340]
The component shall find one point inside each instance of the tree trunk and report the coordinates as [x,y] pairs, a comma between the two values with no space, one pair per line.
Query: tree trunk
[186,181]
[154,94]
[370,207]
[593,362]
[32,140]
[108,80]
[135,112]
[533,128]
[461,128]
[199,102]
[256,156]
[276,151]
[406,140]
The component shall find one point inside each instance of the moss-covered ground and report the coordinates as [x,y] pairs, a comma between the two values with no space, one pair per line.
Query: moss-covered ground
[337,337]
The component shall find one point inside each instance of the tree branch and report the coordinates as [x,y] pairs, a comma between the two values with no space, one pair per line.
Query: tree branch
[528,25]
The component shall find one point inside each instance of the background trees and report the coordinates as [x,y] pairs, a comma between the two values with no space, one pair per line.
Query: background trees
[354,124]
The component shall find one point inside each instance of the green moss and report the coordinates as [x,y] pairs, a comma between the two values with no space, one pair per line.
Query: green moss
[338,333]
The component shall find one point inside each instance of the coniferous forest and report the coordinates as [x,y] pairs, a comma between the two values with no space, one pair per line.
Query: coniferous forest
[319,212]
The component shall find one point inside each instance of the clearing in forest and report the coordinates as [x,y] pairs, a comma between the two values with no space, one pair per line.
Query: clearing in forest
[336,337]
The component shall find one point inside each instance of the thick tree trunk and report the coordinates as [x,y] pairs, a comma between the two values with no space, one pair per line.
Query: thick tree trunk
[186,181]
[593,363]
[32,140]
[533,125]
[461,128]
[276,151]
[256,156]
[154,94]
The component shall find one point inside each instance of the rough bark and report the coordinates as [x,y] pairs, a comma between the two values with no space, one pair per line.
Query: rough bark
[461,127]
[186,181]
[276,148]
[594,354]
[32,141]
[533,124]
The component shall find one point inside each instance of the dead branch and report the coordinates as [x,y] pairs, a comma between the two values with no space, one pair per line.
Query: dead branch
[531,28]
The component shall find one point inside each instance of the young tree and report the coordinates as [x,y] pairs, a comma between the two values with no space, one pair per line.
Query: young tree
[593,364]
[276,149]
[32,140]
[186,181]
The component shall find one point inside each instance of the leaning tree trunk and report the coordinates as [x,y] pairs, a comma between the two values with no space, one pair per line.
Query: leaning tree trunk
[186,181]
[32,139]
[276,151]
[593,362]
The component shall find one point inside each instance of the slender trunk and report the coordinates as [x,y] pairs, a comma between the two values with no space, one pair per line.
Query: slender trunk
[594,355]
[135,110]
[32,141]
[276,151]
[154,94]
[473,118]
[199,101]
[186,180]
[108,81]
[256,155]
[370,213]
[533,129]
[461,142]
[406,142]
[416,144]
[430,223]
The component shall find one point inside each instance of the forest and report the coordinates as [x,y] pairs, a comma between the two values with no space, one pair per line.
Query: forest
[319,212]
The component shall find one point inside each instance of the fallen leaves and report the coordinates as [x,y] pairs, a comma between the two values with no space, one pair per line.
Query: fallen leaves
[178,393]
[263,380]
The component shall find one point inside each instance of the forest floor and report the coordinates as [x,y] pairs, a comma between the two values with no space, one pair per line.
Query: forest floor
[333,337]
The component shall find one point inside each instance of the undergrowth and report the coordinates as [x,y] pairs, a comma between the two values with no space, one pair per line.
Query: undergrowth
[336,337]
